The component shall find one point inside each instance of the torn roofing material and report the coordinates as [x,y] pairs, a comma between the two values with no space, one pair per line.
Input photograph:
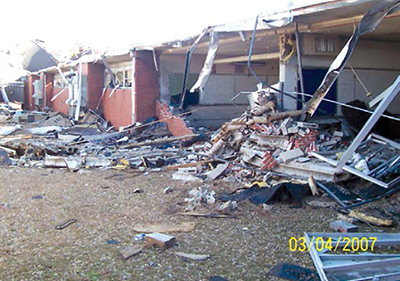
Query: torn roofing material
[37,58]
[369,23]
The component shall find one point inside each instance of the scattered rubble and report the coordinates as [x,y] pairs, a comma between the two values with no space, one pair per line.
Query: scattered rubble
[343,226]
[262,145]
[164,228]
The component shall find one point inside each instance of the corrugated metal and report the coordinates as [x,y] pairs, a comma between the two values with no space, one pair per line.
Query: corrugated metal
[15,91]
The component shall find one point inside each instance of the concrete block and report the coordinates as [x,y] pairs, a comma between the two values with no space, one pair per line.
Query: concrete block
[328,143]
[293,130]
[284,126]
[307,125]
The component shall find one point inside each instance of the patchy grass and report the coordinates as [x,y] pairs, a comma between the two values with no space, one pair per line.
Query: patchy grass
[106,208]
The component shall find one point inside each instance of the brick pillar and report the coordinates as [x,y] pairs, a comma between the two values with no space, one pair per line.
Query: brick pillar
[48,84]
[146,86]
[95,84]
[29,103]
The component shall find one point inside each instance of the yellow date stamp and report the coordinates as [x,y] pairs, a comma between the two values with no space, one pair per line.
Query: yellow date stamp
[341,243]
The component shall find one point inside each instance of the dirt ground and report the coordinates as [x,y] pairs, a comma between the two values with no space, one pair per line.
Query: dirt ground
[34,201]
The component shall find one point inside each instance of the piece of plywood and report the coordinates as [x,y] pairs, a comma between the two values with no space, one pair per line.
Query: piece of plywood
[131,251]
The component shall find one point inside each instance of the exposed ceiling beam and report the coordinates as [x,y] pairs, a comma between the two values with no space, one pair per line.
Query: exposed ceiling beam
[235,39]
[287,29]
[270,56]
[342,22]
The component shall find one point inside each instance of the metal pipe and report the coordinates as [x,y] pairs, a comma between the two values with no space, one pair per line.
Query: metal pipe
[78,103]
[348,106]
[369,94]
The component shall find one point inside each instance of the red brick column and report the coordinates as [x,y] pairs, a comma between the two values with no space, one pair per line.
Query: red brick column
[147,87]
[48,83]
[95,82]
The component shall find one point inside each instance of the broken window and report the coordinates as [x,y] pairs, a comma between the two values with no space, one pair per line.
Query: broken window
[123,76]
[59,81]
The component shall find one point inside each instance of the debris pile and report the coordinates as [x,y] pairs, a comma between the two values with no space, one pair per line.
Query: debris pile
[265,150]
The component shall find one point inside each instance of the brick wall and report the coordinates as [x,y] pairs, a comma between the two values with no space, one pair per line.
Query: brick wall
[59,104]
[146,85]
[95,82]
[176,125]
[48,84]
[118,108]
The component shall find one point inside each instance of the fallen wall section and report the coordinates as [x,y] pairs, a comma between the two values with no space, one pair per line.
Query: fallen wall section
[176,125]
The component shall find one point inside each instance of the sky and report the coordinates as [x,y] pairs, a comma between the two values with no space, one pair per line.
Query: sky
[113,25]
[118,23]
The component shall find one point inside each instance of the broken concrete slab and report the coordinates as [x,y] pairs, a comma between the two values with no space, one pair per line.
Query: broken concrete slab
[218,171]
[291,155]
[320,171]
[193,257]
[163,241]
[164,228]
[131,251]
